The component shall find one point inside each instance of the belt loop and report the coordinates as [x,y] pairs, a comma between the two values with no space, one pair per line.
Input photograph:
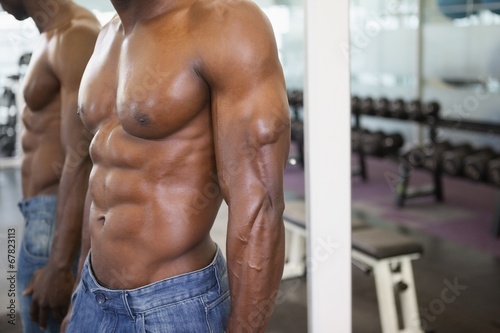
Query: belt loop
[216,270]
[125,296]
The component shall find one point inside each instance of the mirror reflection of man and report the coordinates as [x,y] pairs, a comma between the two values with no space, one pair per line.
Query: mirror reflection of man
[55,165]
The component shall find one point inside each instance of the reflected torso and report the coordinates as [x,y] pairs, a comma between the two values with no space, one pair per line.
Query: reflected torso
[43,155]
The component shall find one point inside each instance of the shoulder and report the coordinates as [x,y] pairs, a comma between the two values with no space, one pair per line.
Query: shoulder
[234,32]
[234,16]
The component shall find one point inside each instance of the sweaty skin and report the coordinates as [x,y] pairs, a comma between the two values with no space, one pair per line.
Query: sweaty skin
[54,141]
[187,103]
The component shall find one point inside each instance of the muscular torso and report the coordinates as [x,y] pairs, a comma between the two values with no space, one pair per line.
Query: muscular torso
[153,184]
[43,153]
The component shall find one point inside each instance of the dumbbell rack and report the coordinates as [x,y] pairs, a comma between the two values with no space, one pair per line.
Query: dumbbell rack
[454,124]
[361,154]
[403,192]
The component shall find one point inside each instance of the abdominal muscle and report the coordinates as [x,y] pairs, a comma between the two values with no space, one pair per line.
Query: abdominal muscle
[150,216]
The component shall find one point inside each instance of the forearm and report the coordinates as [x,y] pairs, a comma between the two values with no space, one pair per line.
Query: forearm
[255,253]
[71,202]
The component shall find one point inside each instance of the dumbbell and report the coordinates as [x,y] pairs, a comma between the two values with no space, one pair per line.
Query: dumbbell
[428,156]
[366,106]
[379,144]
[433,154]
[392,143]
[381,107]
[431,109]
[295,100]
[397,109]
[453,160]
[476,165]
[373,143]
[414,110]
[355,104]
[494,171]
[416,157]
[297,130]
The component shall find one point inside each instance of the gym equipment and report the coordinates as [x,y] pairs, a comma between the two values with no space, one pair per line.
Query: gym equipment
[8,120]
[389,255]
[296,101]
[386,254]
[433,155]
[392,143]
[373,143]
[380,144]
[456,9]
[476,165]
[431,109]
[297,135]
[367,106]
[428,156]
[414,110]
[381,107]
[416,157]
[397,109]
[494,171]
[357,138]
[453,160]
[355,104]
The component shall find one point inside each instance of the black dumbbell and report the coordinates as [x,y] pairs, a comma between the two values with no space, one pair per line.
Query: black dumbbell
[416,157]
[494,172]
[453,159]
[392,143]
[381,107]
[433,154]
[373,143]
[414,110]
[397,109]
[297,130]
[431,109]
[367,106]
[357,138]
[476,165]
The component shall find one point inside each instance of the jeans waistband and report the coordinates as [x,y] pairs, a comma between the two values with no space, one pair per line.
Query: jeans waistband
[164,292]
[39,205]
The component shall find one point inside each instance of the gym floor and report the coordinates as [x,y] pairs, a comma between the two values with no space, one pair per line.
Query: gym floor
[475,270]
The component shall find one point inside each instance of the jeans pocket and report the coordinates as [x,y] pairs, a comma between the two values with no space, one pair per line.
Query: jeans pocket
[218,313]
[37,239]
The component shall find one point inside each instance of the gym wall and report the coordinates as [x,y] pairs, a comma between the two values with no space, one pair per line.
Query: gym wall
[458,59]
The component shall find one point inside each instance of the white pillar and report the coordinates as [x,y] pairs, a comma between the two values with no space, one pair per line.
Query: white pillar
[328,170]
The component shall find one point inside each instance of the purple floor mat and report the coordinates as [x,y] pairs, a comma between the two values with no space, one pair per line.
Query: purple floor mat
[466,215]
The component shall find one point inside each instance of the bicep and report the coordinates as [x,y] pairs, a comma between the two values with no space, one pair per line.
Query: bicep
[251,128]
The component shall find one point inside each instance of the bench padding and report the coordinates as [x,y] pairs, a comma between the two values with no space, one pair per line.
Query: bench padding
[382,244]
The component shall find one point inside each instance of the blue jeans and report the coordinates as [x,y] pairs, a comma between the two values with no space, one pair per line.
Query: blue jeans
[195,302]
[40,221]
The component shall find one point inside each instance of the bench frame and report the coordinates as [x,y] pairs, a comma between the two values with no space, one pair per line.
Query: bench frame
[388,273]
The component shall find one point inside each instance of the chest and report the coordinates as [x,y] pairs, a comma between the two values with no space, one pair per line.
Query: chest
[40,85]
[145,83]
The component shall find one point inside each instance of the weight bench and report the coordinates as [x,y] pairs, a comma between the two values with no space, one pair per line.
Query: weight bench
[385,253]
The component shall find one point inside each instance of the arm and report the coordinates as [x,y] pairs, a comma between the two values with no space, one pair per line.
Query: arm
[52,285]
[252,132]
